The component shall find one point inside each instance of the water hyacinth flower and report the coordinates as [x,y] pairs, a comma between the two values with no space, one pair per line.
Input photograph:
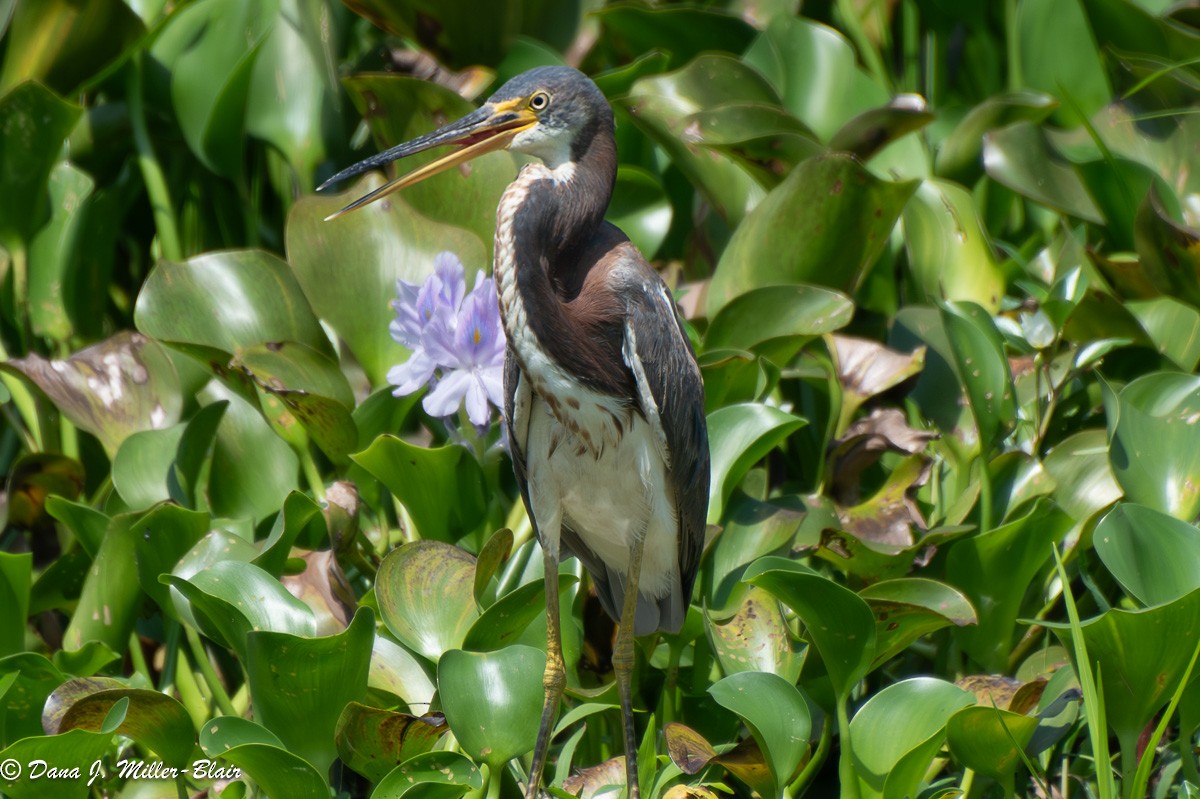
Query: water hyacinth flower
[456,339]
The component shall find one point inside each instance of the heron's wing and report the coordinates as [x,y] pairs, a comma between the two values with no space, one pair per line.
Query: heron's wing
[670,393]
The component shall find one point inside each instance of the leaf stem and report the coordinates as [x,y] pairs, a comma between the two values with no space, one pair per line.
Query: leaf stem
[311,473]
[200,654]
[847,774]
[152,175]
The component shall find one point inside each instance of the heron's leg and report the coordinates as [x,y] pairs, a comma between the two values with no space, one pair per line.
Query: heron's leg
[554,680]
[622,660]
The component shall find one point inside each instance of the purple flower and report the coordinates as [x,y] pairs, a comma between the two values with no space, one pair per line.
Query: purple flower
[457,342]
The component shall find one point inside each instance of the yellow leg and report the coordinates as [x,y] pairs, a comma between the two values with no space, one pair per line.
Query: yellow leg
[623,657]
[554,680]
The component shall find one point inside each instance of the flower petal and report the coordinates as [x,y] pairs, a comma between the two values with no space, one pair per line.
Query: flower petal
[411,375]
[447,394]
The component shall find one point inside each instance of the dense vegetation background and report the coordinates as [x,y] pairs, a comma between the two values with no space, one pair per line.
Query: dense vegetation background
[942,269]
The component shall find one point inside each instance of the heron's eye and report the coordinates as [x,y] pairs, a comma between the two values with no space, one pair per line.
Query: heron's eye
[539,101]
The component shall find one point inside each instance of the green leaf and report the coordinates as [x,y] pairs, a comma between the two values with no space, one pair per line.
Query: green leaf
[776,714]
[443,488]
[1020,158]
[778,320]
[385,241]
[372,741]
[663,107]
[34,123]
[907,608]
[54,252]
[990,740]
[153,719]
[231,599]
[30,679]
[162,537]
[995,570]
[300,686]
[902,726]
[683,32]
[740,436]
[111,596]
[142,466]
[1155,444]
[1168,252]
[839,623]
[960,156]
[752,529]
[425,596]
[493,700]
[867,133]
[74,749]
[1082,474]
[85,523]
[227,301]
[756,638]
[251,748]
[1058,55]
[1155,557]
[983,370]
[112,389]
[825,224]
[948,249]
[395,670]
[507,619]
[208,50]
[444,775]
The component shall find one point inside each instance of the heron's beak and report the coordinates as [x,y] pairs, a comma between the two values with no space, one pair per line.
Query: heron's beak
[491,127]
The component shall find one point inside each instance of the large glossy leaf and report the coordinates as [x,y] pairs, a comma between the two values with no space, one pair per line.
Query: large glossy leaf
[348,267]
[373,741]
[1020,158]
[995,570]
[740,436]
[839,623]
[1168,252]
[167,533]
[33,125]
[983,370]
[112,389]
[814,68]
[208,51]
[776,714]
[54,251]
[153,719]
[1155,557]
[230,599]
[825,224]
[773,317]
[111,596]
[493,700]
[640,208]
[752,529]
[442,488]
[262,756]
[898,731]
[300,686]
[395,670]
[908,608]
[1082,474]
[425,596]
[948,249]
[227,301]
[443,775]
[990,740]
[1155,444]
[1140,659]
[505,621]
[756,638]
[683,32]
[960,156]
[1058,55]
[74,747]
[663,106]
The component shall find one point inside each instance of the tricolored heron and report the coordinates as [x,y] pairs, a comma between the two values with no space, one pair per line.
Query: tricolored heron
[604,400]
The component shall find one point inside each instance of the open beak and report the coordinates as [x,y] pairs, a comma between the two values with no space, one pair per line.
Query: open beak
[491,127]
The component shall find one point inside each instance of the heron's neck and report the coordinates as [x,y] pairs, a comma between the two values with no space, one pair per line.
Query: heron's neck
[547,229]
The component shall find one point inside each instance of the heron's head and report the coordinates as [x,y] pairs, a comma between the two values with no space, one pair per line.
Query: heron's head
[546,112]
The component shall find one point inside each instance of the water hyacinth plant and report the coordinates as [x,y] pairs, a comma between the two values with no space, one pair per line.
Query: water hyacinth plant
[456,339]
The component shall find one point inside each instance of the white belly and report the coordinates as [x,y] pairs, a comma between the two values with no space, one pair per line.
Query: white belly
[609,499]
